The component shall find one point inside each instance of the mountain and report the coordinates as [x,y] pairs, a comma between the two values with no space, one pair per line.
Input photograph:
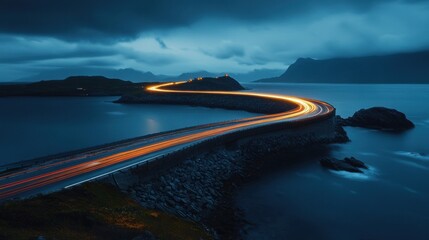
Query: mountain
[241,77]
[191,75]
[395,68]
[133,75]
[256,74]
[127,74]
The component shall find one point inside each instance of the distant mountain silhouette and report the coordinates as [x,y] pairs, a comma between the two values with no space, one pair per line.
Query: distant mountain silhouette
[256,74]
[241,77]
[395,68]
[133,75]
[191,75]
[127,74]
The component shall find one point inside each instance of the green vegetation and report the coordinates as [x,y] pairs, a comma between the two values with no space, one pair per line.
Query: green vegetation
[91,211]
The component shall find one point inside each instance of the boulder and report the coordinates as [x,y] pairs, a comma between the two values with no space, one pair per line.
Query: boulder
[380,118]
[355,163]
[347,164]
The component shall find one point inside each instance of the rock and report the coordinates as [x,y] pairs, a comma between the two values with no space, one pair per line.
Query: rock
[171,202]
[348,164]
[340,134]
[178,192]
[380,118]
[355,163]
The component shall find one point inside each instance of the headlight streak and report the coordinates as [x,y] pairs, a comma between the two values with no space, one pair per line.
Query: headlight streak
[305,108]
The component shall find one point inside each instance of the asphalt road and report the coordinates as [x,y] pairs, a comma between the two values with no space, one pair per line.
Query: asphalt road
[69,171]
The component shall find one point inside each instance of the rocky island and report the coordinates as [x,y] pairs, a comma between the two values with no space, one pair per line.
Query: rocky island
[380,118]
[224,83]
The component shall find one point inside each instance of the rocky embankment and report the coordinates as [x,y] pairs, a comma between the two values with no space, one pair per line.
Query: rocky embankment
[200,187]
[250,104]
[246,103]
[380,118]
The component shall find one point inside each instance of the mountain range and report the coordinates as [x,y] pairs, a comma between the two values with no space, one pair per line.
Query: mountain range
[395,68]
[133,75]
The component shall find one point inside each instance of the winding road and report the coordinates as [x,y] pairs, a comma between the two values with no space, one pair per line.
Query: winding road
[69,171]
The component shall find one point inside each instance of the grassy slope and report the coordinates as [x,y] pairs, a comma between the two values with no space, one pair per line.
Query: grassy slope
[91,211]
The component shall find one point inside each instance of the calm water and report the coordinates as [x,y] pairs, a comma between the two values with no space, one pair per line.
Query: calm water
[390,201]
[34,127]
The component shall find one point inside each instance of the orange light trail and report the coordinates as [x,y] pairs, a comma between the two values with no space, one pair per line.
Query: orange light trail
[305,108]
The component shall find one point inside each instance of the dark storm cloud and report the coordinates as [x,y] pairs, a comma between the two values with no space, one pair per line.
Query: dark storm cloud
[226,51]
[37,56]
[175,36]
[110,19]
[17,50]
[148,57]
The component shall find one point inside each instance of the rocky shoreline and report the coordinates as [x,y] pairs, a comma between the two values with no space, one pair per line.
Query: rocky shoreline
[200,188]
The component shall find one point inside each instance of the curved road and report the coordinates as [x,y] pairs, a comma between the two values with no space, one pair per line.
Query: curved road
[65,172]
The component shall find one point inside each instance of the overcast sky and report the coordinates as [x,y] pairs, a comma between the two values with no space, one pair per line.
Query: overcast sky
[171,37]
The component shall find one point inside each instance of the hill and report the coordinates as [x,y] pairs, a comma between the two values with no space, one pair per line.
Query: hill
[128,74]
[241,77]
[133,75]
[224,83]
[73,86]
[395,68]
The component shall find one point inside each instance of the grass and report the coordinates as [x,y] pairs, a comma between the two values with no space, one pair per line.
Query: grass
[91,211]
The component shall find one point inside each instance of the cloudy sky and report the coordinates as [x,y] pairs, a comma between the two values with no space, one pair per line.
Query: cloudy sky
[175,36]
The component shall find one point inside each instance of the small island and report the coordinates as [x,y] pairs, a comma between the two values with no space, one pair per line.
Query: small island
[379,118]
[224,83]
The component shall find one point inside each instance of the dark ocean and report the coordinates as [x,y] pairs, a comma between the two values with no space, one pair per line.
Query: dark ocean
[389,201]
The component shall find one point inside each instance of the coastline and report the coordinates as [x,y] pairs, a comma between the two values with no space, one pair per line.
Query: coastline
[198,184]
[200,188]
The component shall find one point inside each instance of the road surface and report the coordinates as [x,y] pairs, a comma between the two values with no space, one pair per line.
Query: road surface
[69,171]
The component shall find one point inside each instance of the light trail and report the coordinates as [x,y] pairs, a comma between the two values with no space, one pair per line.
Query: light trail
[37,177]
